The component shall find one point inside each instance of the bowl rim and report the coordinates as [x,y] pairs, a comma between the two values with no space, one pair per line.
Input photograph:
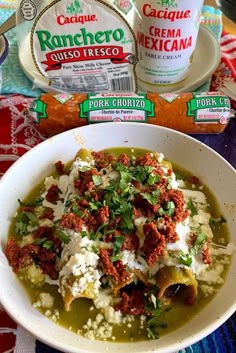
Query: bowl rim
[46,336]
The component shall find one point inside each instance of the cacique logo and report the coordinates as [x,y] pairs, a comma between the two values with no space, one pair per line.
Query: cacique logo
[165,14]
[74,12]
[168,3]
[74,8]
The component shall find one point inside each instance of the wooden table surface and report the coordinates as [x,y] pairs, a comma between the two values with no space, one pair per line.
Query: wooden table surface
[229,26]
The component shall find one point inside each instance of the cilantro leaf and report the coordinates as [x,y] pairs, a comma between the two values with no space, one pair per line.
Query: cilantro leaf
[62,236]
[168,208]
[36,202]
[117,245]
[153,179]
[94,235]
[154,310]
[25,219]
[192,208]
[201,238]
[126,221]
[185,259]
[151,198]
[97,180]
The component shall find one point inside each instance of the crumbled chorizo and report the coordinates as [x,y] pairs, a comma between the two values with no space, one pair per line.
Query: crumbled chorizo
[20,257]
[102,159]
[180,213]
[53,194]
[124,159]
[193,180]
[60,168]
[115,269]
[103,215]
[206,256]
[148,160]
[168,229]
[131,242]
[108,267]
[48,213]
[132,303]
[12,252]
[154,243]
[72,221]
[85,183]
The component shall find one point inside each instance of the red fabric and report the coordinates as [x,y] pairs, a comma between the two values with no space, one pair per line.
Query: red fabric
[17,133]
[225,74]
[7,333]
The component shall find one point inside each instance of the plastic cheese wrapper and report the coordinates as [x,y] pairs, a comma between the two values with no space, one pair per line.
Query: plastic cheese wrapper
[78,45]
[204,113]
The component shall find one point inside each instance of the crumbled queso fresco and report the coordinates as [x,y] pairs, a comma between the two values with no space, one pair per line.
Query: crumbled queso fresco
[125,235]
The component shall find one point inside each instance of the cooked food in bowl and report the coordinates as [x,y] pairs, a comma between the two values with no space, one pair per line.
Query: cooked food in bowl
[119,245]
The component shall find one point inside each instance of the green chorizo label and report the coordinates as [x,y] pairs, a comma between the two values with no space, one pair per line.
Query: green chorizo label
[40,110]
[104,107]
[207,108]
[130,107]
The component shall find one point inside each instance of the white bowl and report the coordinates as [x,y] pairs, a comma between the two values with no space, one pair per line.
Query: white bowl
[187,152]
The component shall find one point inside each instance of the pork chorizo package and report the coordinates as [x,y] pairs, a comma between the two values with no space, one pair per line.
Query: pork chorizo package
[78,45]
[186,112]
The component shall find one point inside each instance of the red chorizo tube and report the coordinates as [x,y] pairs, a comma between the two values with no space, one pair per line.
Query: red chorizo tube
[186,112]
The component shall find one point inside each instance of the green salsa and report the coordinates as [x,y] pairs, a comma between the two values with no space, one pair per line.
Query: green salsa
[82,317]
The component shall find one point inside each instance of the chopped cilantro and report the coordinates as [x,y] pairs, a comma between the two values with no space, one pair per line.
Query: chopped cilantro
[143,173]
[77,210]
[94,235]
[168,209]
[83,168]
[93,206]
[23,220]
[116,257]
[40,241]
[97,180]
[36,202]
[48,244]
[83,233]
[192,208]
[201,238]
[154,309]
[117,245]
[151,198]
[153,179]
[127,218]
[95,249]
[62,236]
[44,242]
[125,179]
[185,259]
[151,333]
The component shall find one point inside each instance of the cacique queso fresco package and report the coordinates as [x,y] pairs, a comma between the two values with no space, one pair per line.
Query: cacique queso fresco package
[78,45]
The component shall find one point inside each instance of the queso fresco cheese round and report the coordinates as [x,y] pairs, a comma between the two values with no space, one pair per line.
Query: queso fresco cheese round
[85,46]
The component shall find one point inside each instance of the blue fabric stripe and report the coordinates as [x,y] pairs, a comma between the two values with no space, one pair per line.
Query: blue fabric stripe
[232,322]
[230,346]
[204,345]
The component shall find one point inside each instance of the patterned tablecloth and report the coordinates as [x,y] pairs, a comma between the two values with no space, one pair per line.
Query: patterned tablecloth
[18,134]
